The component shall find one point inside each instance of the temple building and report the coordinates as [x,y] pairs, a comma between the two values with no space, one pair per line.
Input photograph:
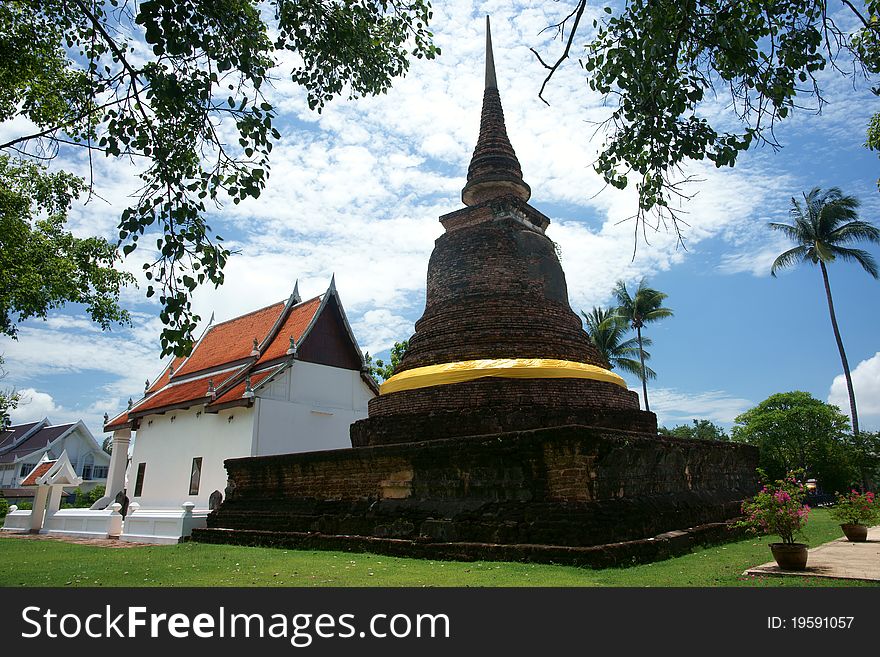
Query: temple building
[23,446]
[502,434]
[286,378]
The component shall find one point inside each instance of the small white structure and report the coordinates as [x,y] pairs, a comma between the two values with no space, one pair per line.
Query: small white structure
[23,446]
[286,378]
[50,478]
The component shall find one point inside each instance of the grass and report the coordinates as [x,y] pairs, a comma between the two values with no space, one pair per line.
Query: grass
[53,563]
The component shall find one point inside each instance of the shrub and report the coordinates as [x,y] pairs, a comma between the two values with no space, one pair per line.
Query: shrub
[856,508]
[83,500]
[4,507]
[778,508]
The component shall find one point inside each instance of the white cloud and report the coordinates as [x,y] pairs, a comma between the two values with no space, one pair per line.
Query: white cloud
[35,405]
[866,385]
[676,407]
[357,191]
[755,259]
[385,327]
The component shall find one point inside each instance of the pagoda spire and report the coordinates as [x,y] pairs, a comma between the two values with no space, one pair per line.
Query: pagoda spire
[494,170]
[491,81]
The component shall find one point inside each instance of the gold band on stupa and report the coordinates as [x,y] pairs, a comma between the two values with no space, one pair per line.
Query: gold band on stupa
[510,368]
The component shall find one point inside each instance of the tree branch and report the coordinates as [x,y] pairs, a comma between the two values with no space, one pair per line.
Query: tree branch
[578,12]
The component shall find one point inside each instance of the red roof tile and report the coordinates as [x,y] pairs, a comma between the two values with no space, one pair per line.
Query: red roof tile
[231,341]
[39,471]
[194,390]
[222,345]
[295,325]
[118,422]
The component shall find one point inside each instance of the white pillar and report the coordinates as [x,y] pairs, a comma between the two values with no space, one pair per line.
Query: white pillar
[54,502]
[39,509]
[115,525]
[118,462]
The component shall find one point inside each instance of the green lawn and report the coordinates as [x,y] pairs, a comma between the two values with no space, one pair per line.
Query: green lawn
[53,563]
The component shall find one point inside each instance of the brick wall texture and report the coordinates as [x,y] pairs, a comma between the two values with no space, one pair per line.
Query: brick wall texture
[574,486]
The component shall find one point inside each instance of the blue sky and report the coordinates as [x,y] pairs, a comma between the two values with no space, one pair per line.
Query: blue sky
[357,191]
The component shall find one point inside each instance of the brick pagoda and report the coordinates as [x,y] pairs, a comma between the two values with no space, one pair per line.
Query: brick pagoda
[497,303]
[502,434]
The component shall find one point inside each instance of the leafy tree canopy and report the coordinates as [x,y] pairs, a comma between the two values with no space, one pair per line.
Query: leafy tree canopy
[190,108]
[382,370]
[42,265]
[658,60]
[794,430]
[699,430]
[9,398]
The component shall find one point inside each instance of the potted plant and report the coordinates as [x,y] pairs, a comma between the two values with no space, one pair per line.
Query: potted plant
[854,512]
[779,509]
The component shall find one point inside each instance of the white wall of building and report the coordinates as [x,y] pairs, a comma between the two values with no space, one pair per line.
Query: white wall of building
[7,475]
[168,447]
[308,408]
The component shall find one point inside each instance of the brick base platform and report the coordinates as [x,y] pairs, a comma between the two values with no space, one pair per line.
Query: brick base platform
[521,495]
[656,548]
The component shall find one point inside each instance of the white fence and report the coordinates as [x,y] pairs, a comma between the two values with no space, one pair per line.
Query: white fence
[17,520]
[163,526]
[105,523]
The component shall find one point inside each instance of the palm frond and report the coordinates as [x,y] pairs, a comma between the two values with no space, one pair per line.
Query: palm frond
[634,367]
[624,300]
[791,232]
[789,258]
[633,343]
[854,231]
[865,259]
[657,313]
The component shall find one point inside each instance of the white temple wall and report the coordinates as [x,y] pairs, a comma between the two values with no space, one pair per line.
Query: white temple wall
[309,408]
[168,447]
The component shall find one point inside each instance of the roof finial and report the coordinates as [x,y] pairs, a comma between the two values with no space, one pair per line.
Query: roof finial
[332,287]
[491,82]
[295,297]
[255,351]
[248,389]
[291,350]
[494,170]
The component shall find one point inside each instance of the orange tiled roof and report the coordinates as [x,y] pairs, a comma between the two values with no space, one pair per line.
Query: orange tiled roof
[179,393]
[36,473]
[237,390]
[295,325]
[118,422]
[231,341]
[221,346]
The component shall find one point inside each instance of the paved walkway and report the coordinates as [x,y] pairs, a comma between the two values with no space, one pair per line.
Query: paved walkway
[78,540]
[839,559]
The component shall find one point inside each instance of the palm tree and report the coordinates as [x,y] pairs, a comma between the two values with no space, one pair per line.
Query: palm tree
[607,331]
[825,223]
[643,307]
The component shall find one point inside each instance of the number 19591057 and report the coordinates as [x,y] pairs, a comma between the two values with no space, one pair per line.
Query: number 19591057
[810,622]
